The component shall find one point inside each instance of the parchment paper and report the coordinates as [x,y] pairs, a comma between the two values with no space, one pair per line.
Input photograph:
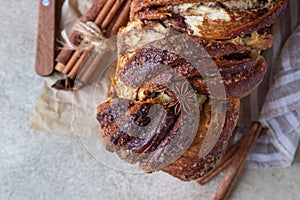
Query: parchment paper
[55,109]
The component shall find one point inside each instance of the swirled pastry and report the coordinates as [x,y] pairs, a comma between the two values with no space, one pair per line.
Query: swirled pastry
[183,66]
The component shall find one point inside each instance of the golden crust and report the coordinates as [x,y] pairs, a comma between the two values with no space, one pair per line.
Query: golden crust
[191,165]
[239,23]
[228,77]
[153,34]
[139,5]
[238,77]
[238,27]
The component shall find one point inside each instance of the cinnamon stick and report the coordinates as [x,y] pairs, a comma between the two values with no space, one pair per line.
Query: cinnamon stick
[103,13]
[239,159]
[73,59]
[59,66]
[81,56]
[78,64]
[94,67]
[111,14]
[94,11]
[86,74]
[65,54]
[84,70]
[108,32]
[121,20]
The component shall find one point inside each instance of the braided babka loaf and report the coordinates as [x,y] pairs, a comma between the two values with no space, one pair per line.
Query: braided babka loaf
[183,65]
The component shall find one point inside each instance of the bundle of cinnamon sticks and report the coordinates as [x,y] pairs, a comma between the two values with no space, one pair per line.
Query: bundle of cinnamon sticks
[236,156]
[109,16]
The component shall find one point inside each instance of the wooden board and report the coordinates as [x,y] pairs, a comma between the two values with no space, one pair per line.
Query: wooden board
[45,49]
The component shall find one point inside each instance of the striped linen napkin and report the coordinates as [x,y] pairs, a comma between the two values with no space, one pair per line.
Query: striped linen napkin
[276,103]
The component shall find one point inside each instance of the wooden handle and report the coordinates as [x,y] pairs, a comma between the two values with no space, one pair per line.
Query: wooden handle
[45,55]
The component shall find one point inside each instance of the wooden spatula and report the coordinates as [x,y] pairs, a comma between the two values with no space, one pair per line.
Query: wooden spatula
[45,50]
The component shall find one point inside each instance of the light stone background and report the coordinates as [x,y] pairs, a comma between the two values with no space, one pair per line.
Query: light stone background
[39,165]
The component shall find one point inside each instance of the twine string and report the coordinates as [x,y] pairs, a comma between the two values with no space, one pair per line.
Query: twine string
[90,33]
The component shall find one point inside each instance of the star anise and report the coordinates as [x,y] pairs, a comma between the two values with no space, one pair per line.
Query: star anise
[182,98]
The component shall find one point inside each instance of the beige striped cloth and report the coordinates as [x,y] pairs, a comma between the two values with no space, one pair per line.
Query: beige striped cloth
[276,103]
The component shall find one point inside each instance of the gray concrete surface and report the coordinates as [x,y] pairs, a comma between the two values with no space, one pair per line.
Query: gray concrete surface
[39,165]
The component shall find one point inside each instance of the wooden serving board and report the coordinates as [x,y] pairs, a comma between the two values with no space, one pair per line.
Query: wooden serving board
[45,49]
